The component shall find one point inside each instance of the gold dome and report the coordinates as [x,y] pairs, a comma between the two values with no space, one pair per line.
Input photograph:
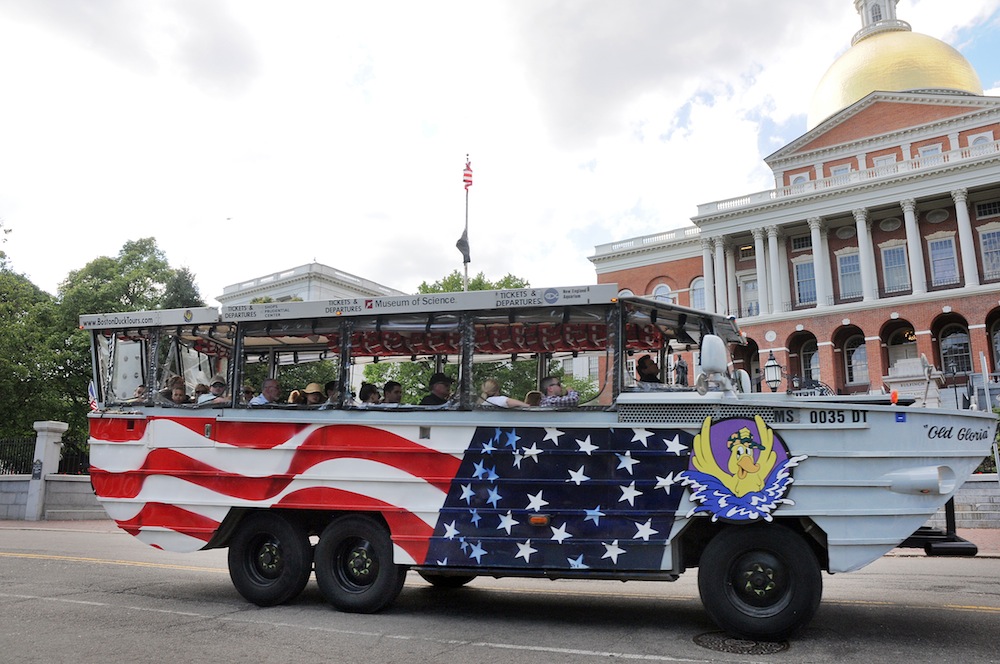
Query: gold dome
[897,61]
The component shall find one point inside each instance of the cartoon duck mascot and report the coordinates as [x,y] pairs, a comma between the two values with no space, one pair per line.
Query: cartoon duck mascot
[746,474]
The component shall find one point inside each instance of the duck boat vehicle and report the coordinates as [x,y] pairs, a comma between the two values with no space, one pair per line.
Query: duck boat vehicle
[761,492]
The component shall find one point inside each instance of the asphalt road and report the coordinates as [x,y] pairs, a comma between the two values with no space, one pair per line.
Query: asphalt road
[102,596]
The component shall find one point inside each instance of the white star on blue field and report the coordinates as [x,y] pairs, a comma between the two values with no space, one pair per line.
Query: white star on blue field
[608,497]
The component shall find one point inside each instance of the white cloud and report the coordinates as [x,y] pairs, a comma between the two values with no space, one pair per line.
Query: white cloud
[249,137]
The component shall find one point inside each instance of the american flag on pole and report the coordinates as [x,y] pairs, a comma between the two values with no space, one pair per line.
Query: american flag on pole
[467,175]
[92,395]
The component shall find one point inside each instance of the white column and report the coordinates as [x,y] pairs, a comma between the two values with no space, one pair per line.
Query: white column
[708,273]
[777,304]
[914,247]
[865,256]
[734,300]
[821,267]
[762,287]
[970,268]
[48,444]
[721,305]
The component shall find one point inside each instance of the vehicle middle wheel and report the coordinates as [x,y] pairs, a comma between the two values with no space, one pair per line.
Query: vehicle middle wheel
[270,558]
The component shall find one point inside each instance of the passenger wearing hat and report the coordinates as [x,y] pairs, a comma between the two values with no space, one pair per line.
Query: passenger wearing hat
[314,394]
[216,391]
[440,391]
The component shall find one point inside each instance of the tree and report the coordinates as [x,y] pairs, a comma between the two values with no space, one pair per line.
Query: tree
[134,280]
[180,291]
[452,283]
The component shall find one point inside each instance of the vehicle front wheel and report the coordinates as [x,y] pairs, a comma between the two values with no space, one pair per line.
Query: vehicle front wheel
[270,558]
[354,567]
[760,582]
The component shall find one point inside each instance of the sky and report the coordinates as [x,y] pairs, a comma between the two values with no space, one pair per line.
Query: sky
[252,136]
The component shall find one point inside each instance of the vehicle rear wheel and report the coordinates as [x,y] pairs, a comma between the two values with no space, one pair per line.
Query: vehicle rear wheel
[270,558]
[354,567]
[760,582]
[445,580]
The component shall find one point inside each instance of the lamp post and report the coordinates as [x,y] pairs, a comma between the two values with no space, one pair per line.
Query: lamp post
[951,372]
[772,372]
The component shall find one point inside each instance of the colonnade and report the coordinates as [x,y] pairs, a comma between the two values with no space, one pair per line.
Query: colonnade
[774,287]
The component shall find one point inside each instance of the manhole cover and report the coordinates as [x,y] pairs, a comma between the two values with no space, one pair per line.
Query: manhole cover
[721,642]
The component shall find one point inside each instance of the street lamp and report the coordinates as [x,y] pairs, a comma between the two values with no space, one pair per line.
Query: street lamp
[951,372]
[772,372]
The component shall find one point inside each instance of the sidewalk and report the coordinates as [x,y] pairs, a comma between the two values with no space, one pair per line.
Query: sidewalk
[987,539]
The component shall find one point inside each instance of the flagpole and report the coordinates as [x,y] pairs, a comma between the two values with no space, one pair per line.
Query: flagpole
[465,264]
[463,242]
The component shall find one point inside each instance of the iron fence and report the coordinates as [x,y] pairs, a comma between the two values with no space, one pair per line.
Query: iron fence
[18,454]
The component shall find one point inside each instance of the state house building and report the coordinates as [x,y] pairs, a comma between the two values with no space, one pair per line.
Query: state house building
[881,238]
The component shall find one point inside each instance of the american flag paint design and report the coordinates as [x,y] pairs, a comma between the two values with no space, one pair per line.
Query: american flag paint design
[610,494]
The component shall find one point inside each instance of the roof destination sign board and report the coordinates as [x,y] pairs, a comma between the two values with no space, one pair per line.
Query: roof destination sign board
[425,302]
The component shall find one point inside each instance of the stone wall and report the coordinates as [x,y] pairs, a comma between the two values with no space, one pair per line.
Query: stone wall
[977,504]
[13,496]
[70,497]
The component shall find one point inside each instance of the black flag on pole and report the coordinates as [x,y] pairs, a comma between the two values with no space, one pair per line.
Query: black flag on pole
[463,246]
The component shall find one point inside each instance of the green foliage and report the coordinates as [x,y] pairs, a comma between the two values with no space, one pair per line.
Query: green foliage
[453,283]
[292,377]
[180,291]
[35,359]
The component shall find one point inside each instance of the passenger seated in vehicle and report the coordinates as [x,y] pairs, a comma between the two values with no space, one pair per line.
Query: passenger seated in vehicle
[216,392]
[440,391]
[332,393]
[392,393]
[296,398]
[200,390]
[533,398]
[647,370]
[491,395]
[314,394]
[179,396]
[269,390]
[552,393]
[368,394]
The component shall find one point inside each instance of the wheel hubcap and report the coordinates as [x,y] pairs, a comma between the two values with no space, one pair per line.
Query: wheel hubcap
[758,581]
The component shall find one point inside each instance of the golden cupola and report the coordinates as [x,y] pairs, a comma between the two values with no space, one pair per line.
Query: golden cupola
[885,55]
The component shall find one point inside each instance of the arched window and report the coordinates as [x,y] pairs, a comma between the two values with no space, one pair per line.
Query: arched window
[856,360]
[663,293]
[902,345]
[810,361]
[698,293]
[625,293]
[876,13]
[956,353]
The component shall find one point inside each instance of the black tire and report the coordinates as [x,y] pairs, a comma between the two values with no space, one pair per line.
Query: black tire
[446,581]
[354,567]
[270,558]
[760,582]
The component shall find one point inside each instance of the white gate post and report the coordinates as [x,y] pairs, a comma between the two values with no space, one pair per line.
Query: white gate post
[48,445]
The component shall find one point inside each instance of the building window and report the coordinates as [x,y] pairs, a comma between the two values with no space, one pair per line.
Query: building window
[956,353]
[902,345]
[895,269]
[989,243]
[944,262]
[747,253]
[802,242]
[805,283]
[876,13]
[625,293]
[663,293]
[801,178]
[843,169]
[810,361]
[849,266]
[749,299]
[930,155]
[856,360]
[989,209]
[698,293]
